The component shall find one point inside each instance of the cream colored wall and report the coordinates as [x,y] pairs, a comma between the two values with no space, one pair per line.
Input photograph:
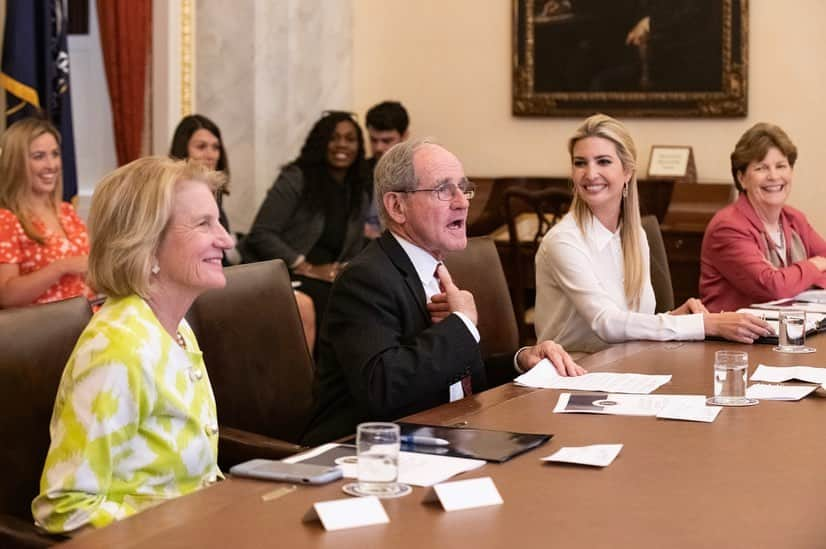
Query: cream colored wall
[449,62]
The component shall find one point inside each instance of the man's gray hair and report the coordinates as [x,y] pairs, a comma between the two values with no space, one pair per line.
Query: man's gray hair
[394,172]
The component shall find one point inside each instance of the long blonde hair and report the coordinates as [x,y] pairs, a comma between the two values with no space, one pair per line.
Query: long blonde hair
[600,125]
[14,171]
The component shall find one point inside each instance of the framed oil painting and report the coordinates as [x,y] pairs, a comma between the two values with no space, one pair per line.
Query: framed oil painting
[666,58]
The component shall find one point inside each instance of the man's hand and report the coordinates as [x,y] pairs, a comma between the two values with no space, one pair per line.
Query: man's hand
[740,327]
[438,308]
[561,360]
[458,301]
[691,306]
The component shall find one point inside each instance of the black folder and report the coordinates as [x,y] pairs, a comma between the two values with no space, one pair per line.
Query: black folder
[466,442]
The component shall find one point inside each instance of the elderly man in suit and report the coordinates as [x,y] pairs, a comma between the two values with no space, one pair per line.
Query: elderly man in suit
[399,336]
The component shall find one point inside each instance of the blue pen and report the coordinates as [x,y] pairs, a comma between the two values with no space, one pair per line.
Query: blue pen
[424,441]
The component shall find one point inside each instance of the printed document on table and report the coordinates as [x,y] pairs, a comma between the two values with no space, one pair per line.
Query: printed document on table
[598,455]
[545,376]
[763,391]
[414,468]
[813,320]
[779,374]
[622,405]
[792,303]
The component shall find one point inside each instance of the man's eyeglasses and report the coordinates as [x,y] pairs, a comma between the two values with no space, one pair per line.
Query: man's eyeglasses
[447,191]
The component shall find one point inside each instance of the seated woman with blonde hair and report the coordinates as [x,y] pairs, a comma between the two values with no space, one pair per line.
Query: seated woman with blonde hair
[593,284]
[199,139]
[134,420]
[43,242]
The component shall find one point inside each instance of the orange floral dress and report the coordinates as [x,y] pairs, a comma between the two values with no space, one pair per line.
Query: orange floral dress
[17,248]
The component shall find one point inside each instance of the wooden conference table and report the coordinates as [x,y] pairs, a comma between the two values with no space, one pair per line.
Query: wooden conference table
[756,477]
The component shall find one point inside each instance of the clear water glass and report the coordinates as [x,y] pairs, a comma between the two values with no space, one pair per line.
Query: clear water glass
[731,376]
[377,450]
[791,332]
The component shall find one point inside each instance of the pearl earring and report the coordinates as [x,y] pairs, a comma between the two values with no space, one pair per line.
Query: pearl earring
[156,269]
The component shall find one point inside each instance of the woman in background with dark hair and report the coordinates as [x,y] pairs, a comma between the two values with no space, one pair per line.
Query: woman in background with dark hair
[313,215]
[198,138]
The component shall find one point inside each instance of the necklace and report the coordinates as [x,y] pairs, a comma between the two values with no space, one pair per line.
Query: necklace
[180,340]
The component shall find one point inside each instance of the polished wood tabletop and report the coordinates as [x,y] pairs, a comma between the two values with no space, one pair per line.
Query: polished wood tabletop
[756,477]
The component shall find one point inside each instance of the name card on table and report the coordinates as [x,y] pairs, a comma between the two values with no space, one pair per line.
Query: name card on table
[340,514]
[464,494]
[596,455]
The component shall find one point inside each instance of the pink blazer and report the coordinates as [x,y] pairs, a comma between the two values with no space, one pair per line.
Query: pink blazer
[734,269]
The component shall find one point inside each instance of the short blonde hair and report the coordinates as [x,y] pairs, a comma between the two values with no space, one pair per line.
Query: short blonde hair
[130,210]
[601,125]
[14,170]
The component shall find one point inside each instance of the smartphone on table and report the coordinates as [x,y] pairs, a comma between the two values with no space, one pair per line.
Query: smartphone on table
[302,473]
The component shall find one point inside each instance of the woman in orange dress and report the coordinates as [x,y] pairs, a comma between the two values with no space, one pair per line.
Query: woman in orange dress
[43,242]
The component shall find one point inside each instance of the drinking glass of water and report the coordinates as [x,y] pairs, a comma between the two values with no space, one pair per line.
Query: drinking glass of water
[377,447]
[731,375]
[791,333]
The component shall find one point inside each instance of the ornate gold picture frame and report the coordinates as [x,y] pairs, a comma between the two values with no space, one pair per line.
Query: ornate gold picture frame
[674,58]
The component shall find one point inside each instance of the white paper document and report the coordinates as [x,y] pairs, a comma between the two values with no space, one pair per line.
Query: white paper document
[812,296]
[545,376]
[793,303]
[414,469]
[621,405]
[689,411]
[598,455]
[779,374]
[763,391]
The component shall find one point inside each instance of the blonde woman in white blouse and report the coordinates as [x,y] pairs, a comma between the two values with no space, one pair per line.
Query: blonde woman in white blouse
[592,269]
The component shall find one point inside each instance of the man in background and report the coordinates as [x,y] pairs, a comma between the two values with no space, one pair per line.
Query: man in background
[387,125]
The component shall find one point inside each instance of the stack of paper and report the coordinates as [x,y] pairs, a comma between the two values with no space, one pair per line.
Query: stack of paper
[545,376]
[811,307]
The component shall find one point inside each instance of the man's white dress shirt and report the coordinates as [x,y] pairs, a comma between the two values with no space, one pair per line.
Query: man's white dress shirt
[425,265]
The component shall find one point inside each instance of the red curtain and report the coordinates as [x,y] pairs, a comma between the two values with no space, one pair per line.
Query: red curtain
[125,34]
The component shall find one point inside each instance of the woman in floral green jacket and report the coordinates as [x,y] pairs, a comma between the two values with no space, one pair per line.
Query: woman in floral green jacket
[134,422]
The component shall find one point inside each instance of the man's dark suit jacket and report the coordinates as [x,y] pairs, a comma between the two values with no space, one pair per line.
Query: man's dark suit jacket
[381,357]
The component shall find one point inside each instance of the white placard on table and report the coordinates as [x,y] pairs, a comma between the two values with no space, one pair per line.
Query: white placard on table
[339,514]
[464,494]
[596,455]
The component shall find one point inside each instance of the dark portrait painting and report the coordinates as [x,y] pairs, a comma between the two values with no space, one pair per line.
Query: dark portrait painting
[630,57]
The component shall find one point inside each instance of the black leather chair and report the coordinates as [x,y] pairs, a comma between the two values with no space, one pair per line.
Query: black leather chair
[478,269]
[36,342]
[258,362]
[660,272]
